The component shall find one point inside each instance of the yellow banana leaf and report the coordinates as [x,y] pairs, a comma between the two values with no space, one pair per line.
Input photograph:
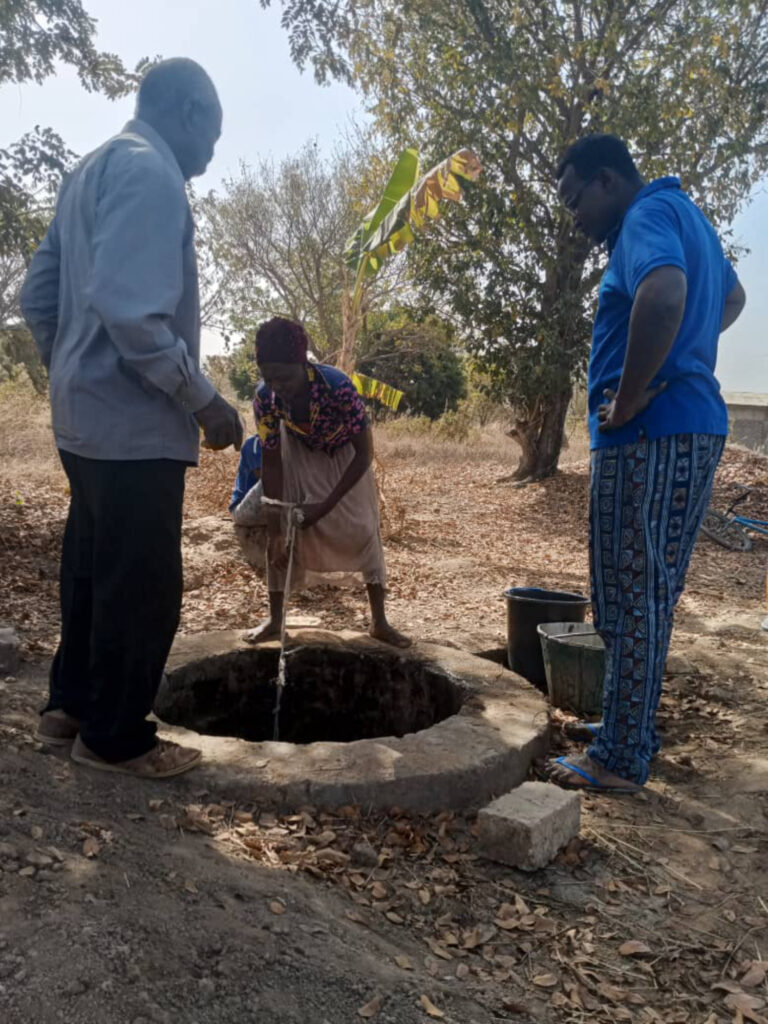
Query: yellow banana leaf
[415,208]
[384,393]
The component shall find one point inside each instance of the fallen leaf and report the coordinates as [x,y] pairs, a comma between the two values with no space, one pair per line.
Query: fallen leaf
[521,906]
[91,847]
[438,950]
[634,948]
[194,819]
[425,896]
[743,1002]
[616,995]
[324,839]
[371,1009]
[191,888]
[332,858]
[755,976]
[352,915]
[426,1004]
[508,924]
[750,1015]
[155,805]
[403,962]
[378,891]
[726,986]
[276,907]
[545,981]
[394,918]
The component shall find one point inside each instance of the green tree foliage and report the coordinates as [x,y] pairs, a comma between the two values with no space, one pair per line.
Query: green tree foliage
[242,370]
[685,82]
[35,36]
[273,241]
[418,358]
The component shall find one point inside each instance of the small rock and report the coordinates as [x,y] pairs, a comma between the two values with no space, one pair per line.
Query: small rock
[39,860]
[75,988]
[29,872]
[364,855]
[8,852]
[36,832]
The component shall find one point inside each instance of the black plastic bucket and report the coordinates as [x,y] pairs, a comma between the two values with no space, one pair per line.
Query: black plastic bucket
[527,609]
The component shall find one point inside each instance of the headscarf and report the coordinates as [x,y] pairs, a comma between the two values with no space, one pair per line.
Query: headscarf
[280,340]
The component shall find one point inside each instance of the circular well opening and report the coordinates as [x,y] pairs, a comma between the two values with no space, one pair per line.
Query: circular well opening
[331,695]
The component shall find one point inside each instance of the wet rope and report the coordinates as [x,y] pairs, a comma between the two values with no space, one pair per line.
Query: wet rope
[295,519]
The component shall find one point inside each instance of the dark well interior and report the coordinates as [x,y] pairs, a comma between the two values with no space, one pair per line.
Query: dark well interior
[331,694]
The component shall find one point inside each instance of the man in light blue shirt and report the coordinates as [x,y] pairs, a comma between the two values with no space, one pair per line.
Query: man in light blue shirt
[657,427]
[112,300]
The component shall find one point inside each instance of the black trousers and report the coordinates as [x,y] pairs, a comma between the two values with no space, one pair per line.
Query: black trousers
[121,589]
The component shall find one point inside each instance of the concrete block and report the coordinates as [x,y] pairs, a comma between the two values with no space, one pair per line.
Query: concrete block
[9,651]
[529,826]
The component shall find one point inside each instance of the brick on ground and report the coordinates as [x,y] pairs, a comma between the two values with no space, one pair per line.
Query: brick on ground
[528,827]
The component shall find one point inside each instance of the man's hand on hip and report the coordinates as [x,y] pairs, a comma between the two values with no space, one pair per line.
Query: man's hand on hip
[615,412]
[221,425]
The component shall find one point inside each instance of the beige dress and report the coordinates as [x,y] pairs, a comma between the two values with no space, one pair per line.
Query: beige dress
[346,540]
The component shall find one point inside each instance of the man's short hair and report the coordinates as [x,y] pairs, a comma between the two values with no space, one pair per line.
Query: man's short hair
[594,152]
[166,85]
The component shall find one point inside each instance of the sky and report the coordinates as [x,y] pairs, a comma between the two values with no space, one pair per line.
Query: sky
[270,108]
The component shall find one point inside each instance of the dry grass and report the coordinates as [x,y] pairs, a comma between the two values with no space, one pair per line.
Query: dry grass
[27,451]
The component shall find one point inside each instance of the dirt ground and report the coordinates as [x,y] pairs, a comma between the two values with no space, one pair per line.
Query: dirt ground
[128,903]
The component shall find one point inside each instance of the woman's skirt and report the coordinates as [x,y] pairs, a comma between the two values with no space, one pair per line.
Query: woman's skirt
[346,540]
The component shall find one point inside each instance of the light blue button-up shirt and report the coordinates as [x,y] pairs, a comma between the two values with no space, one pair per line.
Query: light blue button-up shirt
[112,300]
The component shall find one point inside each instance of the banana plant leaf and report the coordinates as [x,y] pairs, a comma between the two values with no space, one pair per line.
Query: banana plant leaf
[410,214]
[401,181]
[384,393]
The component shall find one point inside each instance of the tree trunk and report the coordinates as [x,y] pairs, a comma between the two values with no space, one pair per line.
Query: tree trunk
[540,435]
[351,320]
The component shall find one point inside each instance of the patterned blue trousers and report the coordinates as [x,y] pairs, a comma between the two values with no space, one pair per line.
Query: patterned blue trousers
[648,500]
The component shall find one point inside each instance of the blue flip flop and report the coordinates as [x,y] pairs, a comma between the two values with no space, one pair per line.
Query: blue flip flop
[593,785]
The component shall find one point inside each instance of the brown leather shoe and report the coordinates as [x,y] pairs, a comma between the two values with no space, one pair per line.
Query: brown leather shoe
[57,728]
[162,762]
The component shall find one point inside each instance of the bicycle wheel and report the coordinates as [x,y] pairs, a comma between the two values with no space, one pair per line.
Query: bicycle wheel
[724,531]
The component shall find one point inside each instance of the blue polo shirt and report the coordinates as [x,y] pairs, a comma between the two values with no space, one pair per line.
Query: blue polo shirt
[663,228]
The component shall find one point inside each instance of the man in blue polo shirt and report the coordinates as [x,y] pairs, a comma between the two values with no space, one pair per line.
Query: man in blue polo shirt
[657,425]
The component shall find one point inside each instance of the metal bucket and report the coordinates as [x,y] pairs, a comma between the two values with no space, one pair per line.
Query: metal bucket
[574,662]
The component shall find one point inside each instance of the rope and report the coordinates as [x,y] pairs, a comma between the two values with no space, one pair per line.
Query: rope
[295,519]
